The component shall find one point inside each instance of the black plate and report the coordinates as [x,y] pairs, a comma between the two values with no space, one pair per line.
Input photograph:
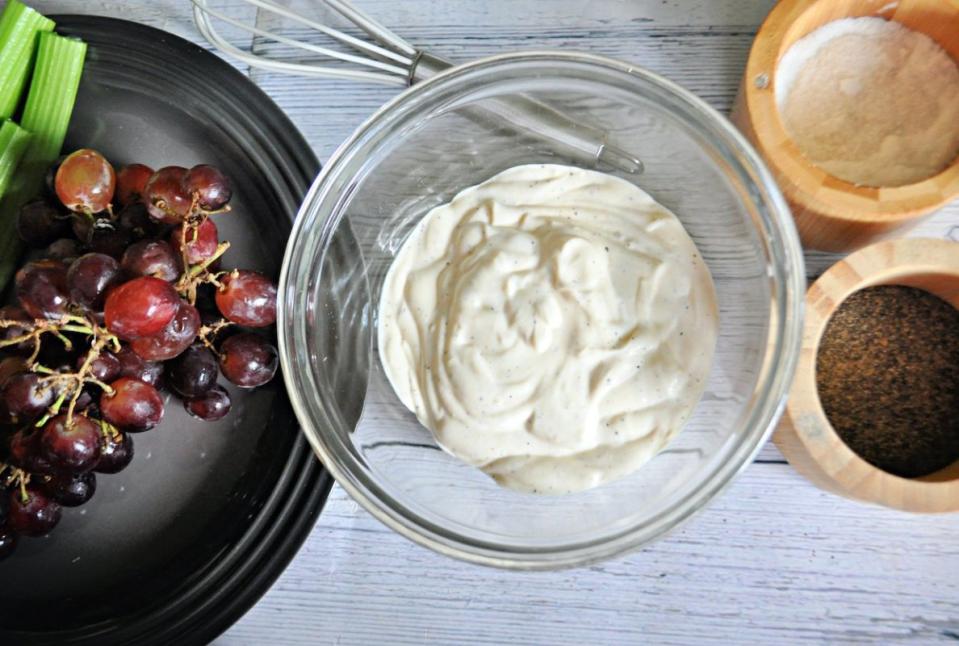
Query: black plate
[183,542]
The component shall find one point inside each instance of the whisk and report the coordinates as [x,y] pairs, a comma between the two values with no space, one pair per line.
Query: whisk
[391,60]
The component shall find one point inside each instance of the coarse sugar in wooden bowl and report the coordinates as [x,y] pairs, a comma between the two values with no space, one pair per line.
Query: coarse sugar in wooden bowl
[832,214]
[805,435]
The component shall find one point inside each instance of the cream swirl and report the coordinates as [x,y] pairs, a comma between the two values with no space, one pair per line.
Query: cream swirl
[552,326]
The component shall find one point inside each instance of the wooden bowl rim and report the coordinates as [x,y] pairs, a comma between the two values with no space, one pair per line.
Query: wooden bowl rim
[836,460]
[812,186]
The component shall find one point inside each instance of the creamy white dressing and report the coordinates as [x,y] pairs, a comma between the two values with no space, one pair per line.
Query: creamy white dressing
[552,326]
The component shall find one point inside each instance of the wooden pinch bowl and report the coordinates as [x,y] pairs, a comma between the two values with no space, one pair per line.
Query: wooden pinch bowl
[805,435]
[832,214]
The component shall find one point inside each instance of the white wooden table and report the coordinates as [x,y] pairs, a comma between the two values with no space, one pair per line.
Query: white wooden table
[773,560]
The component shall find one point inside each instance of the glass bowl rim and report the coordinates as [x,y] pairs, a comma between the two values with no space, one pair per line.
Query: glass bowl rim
[769,393]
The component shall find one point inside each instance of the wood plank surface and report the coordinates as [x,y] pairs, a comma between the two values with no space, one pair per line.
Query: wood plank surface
[773,560]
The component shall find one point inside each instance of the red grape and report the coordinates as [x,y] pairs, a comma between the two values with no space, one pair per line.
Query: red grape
[116,453]
[131,183]
[26,397]
[193,372]
[134,366]
[26,452]
[89,278]
[9,368]
[248,360]
[210,186]
[15,313]
[140,307]
[200,248]
[71,490]
[109,240]
[176,337]
[134,405]
[71,447]
[82,227]
[247,298]
[65,250]
[42,288]
[8,540]
[136,220]
[39,223]
[151,258]
[106,367]
[85,181]
[34,515]
[212,405]
[165,197]
[85,400]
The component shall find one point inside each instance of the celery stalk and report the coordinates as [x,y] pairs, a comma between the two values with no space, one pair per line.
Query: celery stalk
[13,143]
[46,115]
[19,28]
[53,91]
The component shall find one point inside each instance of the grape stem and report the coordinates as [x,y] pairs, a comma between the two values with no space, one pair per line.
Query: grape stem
[67,343]
[196,275]
[205,214]
[204,266]
[107,429]
[82,329]
[89,218]
[82,376]
[54,407]
[34,330]
[21,477]
[198,215]
[71,383]
[208,333]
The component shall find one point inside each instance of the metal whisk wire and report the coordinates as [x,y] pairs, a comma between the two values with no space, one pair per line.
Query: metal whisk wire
[393,59]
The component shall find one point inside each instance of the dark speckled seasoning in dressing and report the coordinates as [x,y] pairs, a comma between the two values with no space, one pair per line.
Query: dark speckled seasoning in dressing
[887,372]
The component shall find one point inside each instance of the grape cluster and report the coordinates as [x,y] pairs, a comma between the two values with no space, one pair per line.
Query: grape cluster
[123,296]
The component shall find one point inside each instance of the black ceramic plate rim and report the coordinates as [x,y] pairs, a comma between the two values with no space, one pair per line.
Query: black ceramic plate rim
[215,599]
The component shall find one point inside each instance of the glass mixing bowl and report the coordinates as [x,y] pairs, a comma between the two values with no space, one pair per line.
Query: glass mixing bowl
[416,153]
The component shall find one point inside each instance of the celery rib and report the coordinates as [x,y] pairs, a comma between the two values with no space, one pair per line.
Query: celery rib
[19,29]
[46,116]
[53,91]
[13,143]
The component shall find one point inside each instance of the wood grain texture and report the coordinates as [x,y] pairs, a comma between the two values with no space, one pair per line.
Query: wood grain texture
[773,561]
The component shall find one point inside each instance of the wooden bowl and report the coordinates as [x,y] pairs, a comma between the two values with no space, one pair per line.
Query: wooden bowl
[832,214]
[805,435]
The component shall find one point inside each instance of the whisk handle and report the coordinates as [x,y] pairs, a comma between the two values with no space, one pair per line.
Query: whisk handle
[530,116]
